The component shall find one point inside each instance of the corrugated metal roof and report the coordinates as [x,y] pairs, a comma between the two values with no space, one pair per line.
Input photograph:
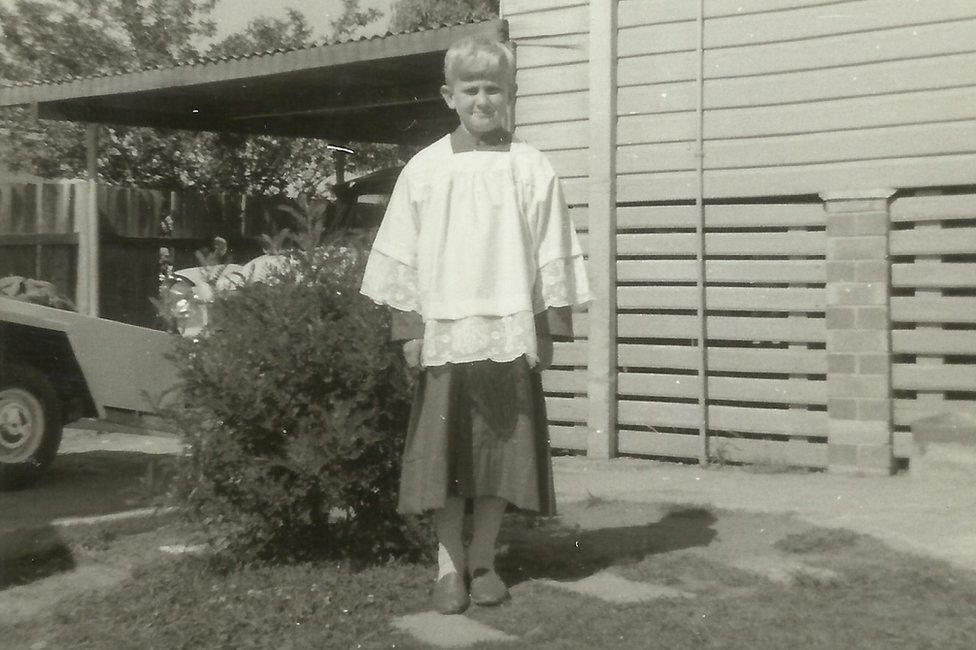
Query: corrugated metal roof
[204,60]
[381,88]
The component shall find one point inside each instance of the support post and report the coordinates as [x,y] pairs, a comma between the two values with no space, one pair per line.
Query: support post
[87,226]
[602,342]
[701,262]
[339,163]
[859,403]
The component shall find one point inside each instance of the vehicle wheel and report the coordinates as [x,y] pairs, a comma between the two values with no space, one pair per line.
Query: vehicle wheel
[30,425]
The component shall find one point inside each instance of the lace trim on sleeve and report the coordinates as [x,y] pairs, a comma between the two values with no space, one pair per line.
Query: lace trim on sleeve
[389,281]
[562,283]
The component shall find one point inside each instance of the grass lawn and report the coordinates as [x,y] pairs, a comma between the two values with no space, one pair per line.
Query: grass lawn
[750,581]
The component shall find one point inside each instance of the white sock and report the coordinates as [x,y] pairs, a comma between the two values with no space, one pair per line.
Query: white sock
[488,513]
[449,524]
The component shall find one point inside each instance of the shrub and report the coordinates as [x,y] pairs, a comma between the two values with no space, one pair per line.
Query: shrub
[296,407]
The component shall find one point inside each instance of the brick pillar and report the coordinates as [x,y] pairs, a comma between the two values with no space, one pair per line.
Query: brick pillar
[858,333]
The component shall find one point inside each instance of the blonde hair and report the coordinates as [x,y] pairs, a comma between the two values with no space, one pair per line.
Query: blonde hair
[477,55]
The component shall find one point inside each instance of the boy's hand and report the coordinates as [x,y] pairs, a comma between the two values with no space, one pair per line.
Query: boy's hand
[544,350]
[411,352]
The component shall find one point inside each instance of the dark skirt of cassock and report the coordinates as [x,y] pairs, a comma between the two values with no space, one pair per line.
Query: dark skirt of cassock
[478,429]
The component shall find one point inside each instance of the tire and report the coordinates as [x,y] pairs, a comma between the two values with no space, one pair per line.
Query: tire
[30,425]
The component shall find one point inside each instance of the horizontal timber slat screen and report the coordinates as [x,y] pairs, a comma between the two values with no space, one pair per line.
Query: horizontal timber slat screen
[565,381]
[765,301]
[933,308]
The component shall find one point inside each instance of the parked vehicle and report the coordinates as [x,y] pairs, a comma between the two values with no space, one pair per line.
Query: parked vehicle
[359,203]
[57,366]
[186,299]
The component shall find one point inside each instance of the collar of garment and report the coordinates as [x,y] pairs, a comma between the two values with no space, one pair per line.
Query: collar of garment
[497,140]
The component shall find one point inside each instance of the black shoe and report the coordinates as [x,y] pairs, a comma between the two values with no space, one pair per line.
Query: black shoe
[451,594]
[487,588]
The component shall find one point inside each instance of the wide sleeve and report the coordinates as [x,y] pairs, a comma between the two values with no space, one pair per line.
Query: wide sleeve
[561,279]
[390,277]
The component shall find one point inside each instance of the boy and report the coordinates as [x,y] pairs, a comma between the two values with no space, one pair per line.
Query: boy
[479,258]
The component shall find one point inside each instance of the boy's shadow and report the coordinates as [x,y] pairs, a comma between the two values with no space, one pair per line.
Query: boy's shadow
[567,553]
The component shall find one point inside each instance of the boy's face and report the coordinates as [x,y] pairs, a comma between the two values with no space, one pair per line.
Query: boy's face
[480,101]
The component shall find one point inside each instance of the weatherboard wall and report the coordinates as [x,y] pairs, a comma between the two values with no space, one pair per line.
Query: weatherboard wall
[800,96]
[801,99]
[551,114]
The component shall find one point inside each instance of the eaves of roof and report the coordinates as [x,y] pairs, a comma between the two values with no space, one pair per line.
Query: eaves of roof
[379,88]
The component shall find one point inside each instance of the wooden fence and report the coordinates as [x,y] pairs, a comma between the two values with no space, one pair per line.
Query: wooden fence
[42,230]
[131,235]
[37,233]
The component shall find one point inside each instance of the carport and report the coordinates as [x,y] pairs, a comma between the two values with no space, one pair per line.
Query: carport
[382,89]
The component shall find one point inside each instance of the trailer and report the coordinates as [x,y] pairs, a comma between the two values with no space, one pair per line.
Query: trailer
[57,366]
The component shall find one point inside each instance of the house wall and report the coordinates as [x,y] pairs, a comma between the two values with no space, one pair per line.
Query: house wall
[551,40]
[801,96]
[818,120]
[551,113]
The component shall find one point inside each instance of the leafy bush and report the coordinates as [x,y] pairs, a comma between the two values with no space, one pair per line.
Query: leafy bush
[296,407]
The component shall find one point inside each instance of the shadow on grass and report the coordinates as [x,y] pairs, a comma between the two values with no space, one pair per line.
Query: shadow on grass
[29,555]
[86,484]
[560,552]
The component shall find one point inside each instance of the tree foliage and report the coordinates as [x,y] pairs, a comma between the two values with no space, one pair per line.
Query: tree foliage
[45,40]
[264,33]
[54,40]
[76,38]
[416,14]
[353,18]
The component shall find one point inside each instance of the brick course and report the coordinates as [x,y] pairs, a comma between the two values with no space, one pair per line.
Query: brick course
[859,341]
[871,271]
[856,248]
[873,318]
[842,363]
[859,439]
[841,318]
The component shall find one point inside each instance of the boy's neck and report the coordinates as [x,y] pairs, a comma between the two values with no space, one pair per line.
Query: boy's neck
[463,140]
